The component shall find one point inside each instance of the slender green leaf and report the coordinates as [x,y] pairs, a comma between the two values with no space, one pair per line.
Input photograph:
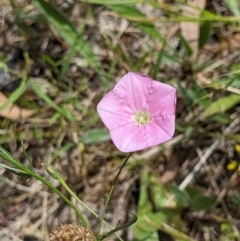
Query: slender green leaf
[223,118]
[178,235]
[67,31]
[221,105]
[201,202]
[187,98]
[150,30]
[138,19]
[114,2]
[147,224]
[158,63]
[27,156]
[95,135]
[71,53]
[110,72]
[186,46]
[63,149]
[14,170]
[14,96]
[158,193]
[205,30]
[181,197]
[200,96]
[142,229]
[37,89]
[8,157]
[234,6]
[123,226]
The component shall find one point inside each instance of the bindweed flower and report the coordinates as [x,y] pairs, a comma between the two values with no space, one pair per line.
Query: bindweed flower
[139,112]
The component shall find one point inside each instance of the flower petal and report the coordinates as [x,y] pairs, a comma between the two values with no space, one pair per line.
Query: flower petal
[113,111]
[161,99]
[137,92]
[155,134]
[129,138]
[134,88]
[166,123]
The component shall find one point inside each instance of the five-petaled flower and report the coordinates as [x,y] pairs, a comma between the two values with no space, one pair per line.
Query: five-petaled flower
[139,112]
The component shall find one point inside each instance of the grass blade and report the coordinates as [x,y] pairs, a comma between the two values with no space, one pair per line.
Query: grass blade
[130,13]
[115,2]
[221,105]
[67,31]
[36,88]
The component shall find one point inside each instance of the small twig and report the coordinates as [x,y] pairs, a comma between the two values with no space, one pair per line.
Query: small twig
[220,62]
[205,157]
[201,162]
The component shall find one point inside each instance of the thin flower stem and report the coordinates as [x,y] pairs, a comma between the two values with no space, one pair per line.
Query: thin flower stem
[79,214]
[68,189]
[24,170]
[56,175]
[8,157]
[111,192]
[84,205]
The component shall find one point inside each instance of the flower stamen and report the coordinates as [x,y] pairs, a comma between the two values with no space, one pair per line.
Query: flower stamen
[141,117]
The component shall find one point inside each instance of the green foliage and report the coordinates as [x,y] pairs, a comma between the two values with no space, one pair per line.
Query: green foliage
[14,96]
[195,95]
[116,2]
[14,170]
[148,222]
[234,6]
[67,31]
[221,105]
[186,46]
[185,93]
[95,135]
[236,198]
[160,208]
[181,198]
[147,225]
[62,150]
[158,63]
[205,31]
[138,19]
[200,202]
[37,89]
[227,233]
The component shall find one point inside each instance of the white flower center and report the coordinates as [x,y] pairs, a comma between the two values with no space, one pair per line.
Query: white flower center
[141,117]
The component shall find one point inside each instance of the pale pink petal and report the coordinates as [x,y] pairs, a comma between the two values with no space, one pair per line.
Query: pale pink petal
[129,138]
[137,92]
[134,88]
[166,123]
[113,111]
[155,134]
[161,99]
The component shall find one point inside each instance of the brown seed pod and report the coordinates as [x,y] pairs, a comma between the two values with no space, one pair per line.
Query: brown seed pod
[69,232]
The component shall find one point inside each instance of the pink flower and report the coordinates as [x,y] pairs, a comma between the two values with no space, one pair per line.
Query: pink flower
[139,112]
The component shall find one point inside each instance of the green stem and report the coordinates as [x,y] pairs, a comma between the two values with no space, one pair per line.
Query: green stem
[79,214]
[7,156]
[84,205]
[111,192]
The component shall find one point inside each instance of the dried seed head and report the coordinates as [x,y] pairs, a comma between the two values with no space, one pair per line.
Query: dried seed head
[69,232]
